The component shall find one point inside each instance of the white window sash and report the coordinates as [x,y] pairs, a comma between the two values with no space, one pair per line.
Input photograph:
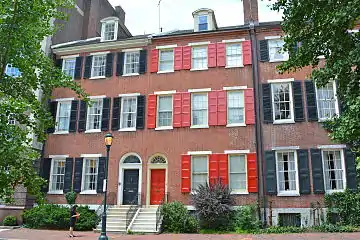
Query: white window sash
[84,174]
[238,108]
[164,111]
[167,61]
[235,190]
[193,158]
[60,103]
[342,156]
[195,60]
[122,113]
[206,108]
[65,70]
[101,102]
[137,64]
[98,66]
[285,54]
[337,111]
[291,103]
[240,55]
[52,174]
[287,192]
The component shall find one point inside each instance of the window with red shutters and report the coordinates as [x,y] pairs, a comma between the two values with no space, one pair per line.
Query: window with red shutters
[151,113]
[222,108]
[220,54]
[213,168]
[252,173]
[178,58]
[185,109]
[177,106]
[186,57]
[154,60]
[213,108]
[185,173]
[212,55]
[246,46]
[223,168]
[249,106]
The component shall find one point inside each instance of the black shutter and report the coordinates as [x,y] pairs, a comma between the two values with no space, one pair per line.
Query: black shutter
[58,63]
[351,181]
[115,123]
[82,116]
[311,101]
[101,175]
[317,170]
[142,62]
[304,173]
[298,102]
[78,174]
[73,115]
[53,110]
[264,51]
[120,64]
[109,65]
[105,114]
[68,174]
[267,106]
[45,172]
[270,168]
[88,63]
[78,68]
[140,113]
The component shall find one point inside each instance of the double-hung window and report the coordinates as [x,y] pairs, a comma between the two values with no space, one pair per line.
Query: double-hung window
[57,175]
[199,171]
[12,71]
[237,173]
[287,175]
[69,67]
[128,113]
[327,101]
[333,162]
[199,57]
[94,115]
[90,174]
[165,111]
[166,60]
[98,66]
[282,102]
[63,116]
[203,23]
[276,52]
[131,63]
[199,109]
[235,105]
[109,31]
[234,56]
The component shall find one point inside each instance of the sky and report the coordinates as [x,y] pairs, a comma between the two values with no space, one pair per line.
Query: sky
[142,16]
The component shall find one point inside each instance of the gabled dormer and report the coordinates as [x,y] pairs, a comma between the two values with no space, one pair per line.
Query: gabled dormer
[109,29]
[204,20]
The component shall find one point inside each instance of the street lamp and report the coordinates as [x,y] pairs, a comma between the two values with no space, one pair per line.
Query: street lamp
[108,142]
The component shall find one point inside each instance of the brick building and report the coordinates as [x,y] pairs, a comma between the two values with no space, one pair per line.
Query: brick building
[181,107]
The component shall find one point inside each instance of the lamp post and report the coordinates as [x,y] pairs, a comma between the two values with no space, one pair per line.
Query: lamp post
[108,142]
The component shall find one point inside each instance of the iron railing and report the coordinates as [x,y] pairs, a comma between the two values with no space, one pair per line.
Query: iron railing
[132,210]
[158,211]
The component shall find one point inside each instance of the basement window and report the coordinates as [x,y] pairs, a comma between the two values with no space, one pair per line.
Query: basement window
[289,220]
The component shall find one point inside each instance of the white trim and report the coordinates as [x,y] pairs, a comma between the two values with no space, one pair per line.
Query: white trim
[60,132]
[164,128]
[130,74]
[51,175]
[281,80]
[167,46]
[58,192]
[99,77]
[337,110]
[190,207]
[191,170]
[129,94]
[93,131]
[69,56]
[272,37]
[99,53]
[122,110]
[291,99]
[72,42]
[237,151]
[285,148]
[293,192]
[97,97]
[79,10]
[157,111]
[236,125]
[166,71]
[234,88]
[199,126]
[165,92]
[64,99]
[239,192]
[238,66]
[199,90]
[88,192]
[198,69]
[109,19]
[198,43]
[342,155]
[155,166]
[288,194]
[339,146]
[132,50]
[233,40]
[199,152]
[283,121]
[91,155]
[127,130]
[59,156]
[353,31]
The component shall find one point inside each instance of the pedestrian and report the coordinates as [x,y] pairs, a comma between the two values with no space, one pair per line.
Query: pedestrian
[73,218]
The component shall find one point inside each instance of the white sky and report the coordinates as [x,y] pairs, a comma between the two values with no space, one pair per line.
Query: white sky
[142,15]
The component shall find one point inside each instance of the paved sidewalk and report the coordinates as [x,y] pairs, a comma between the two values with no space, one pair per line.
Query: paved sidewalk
[30,234]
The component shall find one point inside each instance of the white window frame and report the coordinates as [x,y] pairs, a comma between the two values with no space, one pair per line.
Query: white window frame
[285,54]
[8,66]
[227,110]
[204,45]
[63,65]
[92,66]
[191,109]
[239,191]
[11,119]
[337,111]
[138,63]
[207,162]
[126,129]
[59,101]
[83,191]
[287,193]
[163,49]
[207,22]
[51,191]
[103,26]
[157,112]
[241,54]
[87,115]
[342,155]
[291,99]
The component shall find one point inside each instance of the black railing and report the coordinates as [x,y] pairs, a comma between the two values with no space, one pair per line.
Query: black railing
[132,210]
[158,211]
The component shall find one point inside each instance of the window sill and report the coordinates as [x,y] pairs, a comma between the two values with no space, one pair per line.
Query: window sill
[334,191]
[198,69]
[199,126]
[55,192]
[93,131]
[127,130]
[325,119]
[275,61]
[99,77]
[239,193]
[130,74]
[61,132]
[236,125]
[284,122]
[164,128]
[168,71]
[240,66]
[88,192]
[288,194]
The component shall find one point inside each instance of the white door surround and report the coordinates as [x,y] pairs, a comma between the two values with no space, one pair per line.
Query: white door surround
[155,165]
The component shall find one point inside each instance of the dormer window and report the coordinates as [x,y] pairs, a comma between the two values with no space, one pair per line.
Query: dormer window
[109,33]
[203,22]
[109,29]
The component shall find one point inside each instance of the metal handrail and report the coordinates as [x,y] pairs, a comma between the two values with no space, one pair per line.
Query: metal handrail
[158,211]
[132,210]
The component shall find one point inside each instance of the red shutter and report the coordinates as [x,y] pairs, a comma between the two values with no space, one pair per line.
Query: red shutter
[185,110]
[223,168]
[249,106]
[178,58]
[186,58]
[177,110]
[222,108]
[213,168]
[246,46]
[221,54]
[151,123]
[212,55]
[252,173]
[213,108]
[185,173]
[154,60]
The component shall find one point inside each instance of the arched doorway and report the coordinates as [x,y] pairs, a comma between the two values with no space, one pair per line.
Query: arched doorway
[156,179]
[130,175]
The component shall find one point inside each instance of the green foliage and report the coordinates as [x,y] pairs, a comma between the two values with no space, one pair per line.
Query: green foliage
[213,204]
[214,231]
[245,219]
[10,221]
[71,197]
[334,228]
[271,230]
[177,219]
[87,220]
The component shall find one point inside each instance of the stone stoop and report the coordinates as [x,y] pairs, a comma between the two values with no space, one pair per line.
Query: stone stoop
[116,219]
[145,221]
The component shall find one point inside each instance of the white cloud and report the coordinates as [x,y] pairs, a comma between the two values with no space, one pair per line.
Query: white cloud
[142,16]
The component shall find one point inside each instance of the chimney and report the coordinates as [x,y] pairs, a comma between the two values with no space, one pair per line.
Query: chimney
[250,11]
[120,13]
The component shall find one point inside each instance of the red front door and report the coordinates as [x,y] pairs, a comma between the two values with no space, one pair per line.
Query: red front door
[157,190]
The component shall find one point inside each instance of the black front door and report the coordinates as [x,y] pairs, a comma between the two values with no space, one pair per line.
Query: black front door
[131,183]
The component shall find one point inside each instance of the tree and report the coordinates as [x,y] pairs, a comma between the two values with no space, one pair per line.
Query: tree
[321,28]
[23,25]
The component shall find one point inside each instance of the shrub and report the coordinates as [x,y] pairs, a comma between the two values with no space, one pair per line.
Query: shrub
[177,219]
[245,219]
[87,220]
[334,228]
[10,221]
[276,229]
[70,197]
[213,205]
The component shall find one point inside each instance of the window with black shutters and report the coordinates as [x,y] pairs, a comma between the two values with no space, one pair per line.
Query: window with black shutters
[334,170]
[282,102]
[128,113]
[57,176]
[287,173]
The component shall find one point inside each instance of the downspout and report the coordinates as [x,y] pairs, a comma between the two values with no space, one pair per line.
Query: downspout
[258,117]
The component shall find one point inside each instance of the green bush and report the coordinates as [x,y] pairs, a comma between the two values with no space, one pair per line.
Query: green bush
[275,229]
[71,197]
[177,219]
[10,221]
[334,228]
[245,219]
[87,220]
